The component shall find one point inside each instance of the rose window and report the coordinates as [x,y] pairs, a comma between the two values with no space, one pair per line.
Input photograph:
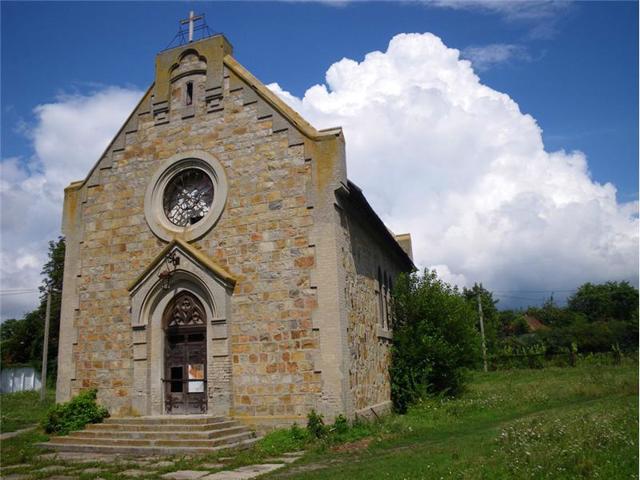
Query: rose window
[188,197]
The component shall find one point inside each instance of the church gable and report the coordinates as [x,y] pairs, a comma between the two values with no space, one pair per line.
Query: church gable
[213,73]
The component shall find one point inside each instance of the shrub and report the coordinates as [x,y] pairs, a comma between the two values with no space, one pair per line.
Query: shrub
[298,434]
[283,440]
[340,425]
[63,418]
[315,424]
[434,339]
[592,336]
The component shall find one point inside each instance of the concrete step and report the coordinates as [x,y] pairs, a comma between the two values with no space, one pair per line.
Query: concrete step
[166,435]
[148,442]
[165,420]
[161,427]
[160,434]
[146,450]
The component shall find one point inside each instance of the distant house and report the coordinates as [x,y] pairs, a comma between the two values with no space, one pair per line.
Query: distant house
[534,324]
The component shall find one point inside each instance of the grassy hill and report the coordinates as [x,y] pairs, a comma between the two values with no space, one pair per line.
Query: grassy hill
[560,423]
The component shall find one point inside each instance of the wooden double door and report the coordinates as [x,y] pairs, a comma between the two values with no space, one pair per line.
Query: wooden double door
[185,370]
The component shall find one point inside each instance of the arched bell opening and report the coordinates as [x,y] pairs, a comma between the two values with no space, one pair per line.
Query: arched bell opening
[185,355]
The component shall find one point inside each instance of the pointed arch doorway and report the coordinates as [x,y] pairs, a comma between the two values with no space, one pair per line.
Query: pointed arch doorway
[186,324]
[185,355]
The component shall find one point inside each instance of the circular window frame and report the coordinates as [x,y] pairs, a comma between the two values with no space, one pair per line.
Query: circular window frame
[154,213]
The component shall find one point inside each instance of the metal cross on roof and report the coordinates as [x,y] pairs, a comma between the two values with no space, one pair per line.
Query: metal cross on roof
[191,20]
[186,35]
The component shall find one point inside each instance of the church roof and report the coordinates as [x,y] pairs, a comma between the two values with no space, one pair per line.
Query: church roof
[358,203]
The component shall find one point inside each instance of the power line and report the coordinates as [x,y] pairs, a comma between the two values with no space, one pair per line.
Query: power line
[537,299]
[535,291]
[4,293]
[2,290]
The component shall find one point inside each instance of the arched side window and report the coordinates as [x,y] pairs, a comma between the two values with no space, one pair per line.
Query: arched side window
[390,319]
[380,294]
[188,100]
[386,301]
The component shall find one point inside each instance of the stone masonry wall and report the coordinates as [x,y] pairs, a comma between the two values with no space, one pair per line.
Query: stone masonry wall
[369,339]
[262,238]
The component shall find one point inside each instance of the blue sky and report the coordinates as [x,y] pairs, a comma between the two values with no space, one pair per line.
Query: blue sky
[579,80]
[508,215]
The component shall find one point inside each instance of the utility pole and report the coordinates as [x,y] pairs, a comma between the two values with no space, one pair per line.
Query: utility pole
[45,348]
[484,345]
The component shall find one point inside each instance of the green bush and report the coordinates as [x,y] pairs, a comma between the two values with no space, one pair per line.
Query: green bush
[592,337]
[340,425]
[63,418]
[606,302]
[315,424]
[298,434]
[434,339]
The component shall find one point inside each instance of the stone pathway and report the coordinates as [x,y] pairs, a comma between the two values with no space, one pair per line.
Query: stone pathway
[68,466]
[5,436]
[244,473]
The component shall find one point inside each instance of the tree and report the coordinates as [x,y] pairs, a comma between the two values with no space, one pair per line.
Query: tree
[21,341]
[606,302]
[554,316]
[510,323]
[434,339]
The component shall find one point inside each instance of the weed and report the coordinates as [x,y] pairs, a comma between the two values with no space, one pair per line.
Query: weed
[315,424]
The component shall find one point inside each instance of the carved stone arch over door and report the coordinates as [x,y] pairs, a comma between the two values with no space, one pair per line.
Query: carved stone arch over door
[195,297]
[185,310]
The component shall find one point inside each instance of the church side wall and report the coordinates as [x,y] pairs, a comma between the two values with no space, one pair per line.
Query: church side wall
[368,338]
[262,239]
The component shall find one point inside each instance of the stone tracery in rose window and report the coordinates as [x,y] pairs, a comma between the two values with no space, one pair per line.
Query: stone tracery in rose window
[188,197]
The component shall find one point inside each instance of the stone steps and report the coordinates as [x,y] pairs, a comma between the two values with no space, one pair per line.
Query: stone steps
[159,434]
[144,451]
[167,435]
[165,419]
[158,427]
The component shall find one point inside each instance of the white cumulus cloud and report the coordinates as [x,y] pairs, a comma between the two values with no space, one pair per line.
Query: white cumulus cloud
[68,135]
[437,153]
[458,165]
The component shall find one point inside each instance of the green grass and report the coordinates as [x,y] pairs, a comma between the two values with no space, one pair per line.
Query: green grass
[560,423]
[555,423]
[23,409]
[22,448]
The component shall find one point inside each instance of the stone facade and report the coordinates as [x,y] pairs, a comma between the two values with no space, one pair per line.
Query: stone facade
[371,263]
[286,275]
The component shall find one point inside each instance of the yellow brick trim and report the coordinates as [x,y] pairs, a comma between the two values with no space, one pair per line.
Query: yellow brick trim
[278,104]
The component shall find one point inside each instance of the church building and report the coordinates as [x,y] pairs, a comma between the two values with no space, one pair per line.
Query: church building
[220,262]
